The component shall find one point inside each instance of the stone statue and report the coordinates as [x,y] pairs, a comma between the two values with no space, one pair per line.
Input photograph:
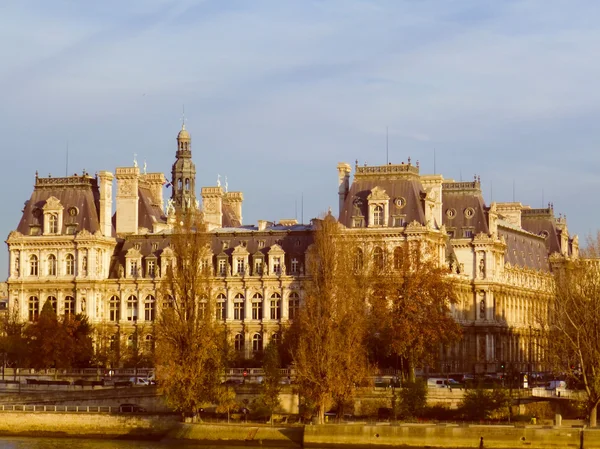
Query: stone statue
[482,268]
[121,271]
[171,207]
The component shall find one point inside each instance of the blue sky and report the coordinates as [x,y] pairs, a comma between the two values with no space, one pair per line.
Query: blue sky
[277,92]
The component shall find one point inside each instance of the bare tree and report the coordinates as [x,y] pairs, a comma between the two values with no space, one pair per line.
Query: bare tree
[329,352]
[191,345]
[411,298]
[573,324]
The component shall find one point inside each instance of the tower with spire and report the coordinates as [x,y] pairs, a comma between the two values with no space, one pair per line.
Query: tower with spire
[183,173]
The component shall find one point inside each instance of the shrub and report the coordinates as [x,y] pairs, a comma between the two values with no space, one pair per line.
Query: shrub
[413,399]
[480,403]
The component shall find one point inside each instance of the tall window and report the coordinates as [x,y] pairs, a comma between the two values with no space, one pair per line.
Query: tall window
[34,308]
[275,339]
[70,262]
[53,224]
[202,307]
[51,265]
[114,306]
[149,343]
[358,259]
[53,302]
[17,265]
[238,307]
[33,265]
[149,308]
[276,265]
[151,268]
[294,305]
[69,306]
[221,307]
[222,267]
[257,307]
[378,258]
[295,265]
[378,215]
[132,308]
[257,342]
[240,266]
[133,268]
[275,306]
[258,266]
[397,258]
[239,342]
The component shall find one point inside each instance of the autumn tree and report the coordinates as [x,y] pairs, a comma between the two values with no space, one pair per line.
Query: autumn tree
[191,345]
[411,298]
[271,386]
[573,324]
[13,344]
[330,330]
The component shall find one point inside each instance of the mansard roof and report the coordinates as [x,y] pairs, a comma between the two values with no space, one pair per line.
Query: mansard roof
[542,222]
[463,207]
[523,248]
[78,192]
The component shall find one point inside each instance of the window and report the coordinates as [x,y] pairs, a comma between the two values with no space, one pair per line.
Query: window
[239,342]
[51,265]
[84,265]
[275,306]
[114,306]
[258,266]
[378,258]
[240,266]
[202,306]
[378,215]
[131,341]
[69,306]
[149,343]
[294,305]
[295,265]
[70,262]
[53,302]
[34,308]
[168,303]
[132,308]
[399,222]
[257,307]
[467,233]
[149,308]
[358,259]
[222,267]
[275,339]
[33,265]
[451,234]
[53,223]
[397,258]
[257,343]
[221,307]
[151,271]
[261,243]
[277,265]
[17,265]
[238,307]
[133,268]
[204,266]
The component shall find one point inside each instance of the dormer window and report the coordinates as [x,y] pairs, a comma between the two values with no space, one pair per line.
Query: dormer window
[276,265]
[222,267]
[240,266]
[151,268]
[378,207]
[53,216]
[378,215]
[295,265]
[53,223]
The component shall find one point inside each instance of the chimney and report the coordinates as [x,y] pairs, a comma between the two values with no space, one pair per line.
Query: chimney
[212,205]
[235,199]
[155,183]
[105,178]
[127,200]
[343,183]
[262,225]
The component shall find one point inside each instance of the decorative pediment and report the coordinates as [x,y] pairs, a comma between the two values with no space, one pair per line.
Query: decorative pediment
[53,204]
[133,253]
[14,235]
[240,251]
[415,226]
[167,252]
[378,194]
[276,249]
[481,236]
[84,233]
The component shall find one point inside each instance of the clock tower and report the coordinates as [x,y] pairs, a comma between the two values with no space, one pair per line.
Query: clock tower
[183,173]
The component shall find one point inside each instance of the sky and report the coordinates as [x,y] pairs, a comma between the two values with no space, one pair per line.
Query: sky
[277,92]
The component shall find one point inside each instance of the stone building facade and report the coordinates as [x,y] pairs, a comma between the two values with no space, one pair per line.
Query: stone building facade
[77,248]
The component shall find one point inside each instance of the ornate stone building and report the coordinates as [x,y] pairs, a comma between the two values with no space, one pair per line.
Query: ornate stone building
[71,249]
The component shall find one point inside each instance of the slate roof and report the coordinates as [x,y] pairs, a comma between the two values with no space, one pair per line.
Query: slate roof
[463,199]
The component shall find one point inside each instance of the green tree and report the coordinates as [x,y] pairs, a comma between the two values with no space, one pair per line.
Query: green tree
[329,349]
[227,401]
[413,398]
[480,403]
[191,346]
[271,386]
[13,344]
[48,341]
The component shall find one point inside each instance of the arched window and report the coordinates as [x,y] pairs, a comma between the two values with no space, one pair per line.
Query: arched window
[34,308]
[187,184]
[114,307]
[70,262]
[239,342]
[294,305]
[238,307]
[275,306]
[53,302]
[257,343]
[149,308]
[168,303]
[378,215]
[378,258]
[179,184]
[51,265]
[358,259]
[131,341]
[257,307]
[69,306]
[53,223]
[33,265]
[149,343]
[398,256]
[275,339]
[132,308]
[221,315]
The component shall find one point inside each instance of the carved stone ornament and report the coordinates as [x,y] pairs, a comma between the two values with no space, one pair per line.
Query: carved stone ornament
[400,202]
[276,249]
[53,203]
[210,205]
[378,194]
[357,202]
[125,188]
[133,252]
